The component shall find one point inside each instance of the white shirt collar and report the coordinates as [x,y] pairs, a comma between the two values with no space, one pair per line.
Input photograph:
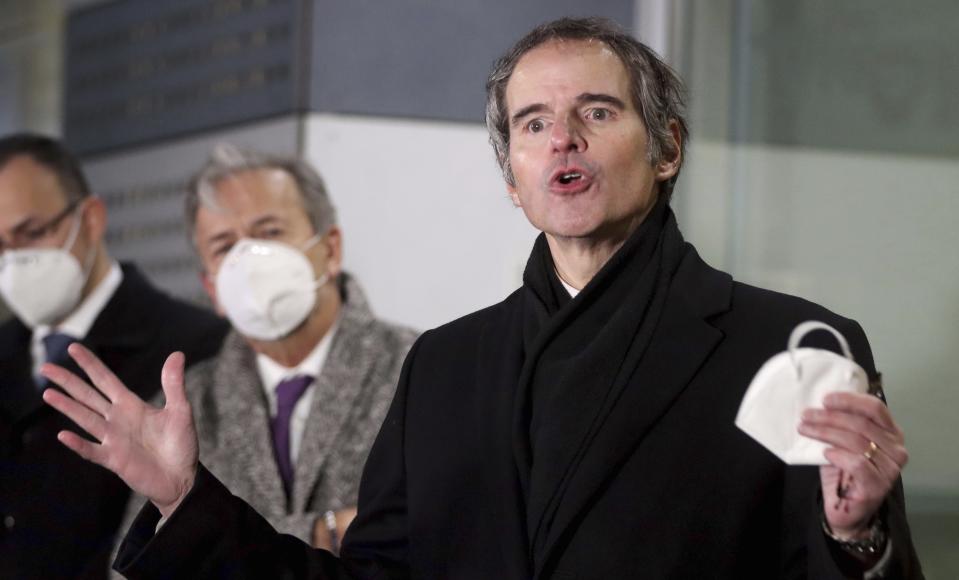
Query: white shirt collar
[272,372]
[572,291]
[79,322]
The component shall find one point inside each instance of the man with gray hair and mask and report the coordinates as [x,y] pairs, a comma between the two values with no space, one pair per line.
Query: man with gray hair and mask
[582,428]
[286,412]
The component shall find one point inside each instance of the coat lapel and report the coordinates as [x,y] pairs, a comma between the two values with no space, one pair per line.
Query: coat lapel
[681,343]
[19,395]
[337,389]
[241,400]
[493,399]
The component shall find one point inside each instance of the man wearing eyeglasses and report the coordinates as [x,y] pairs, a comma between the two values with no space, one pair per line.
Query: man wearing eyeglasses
[58,514]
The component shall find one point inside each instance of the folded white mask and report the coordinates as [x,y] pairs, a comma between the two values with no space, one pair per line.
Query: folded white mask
[788,384]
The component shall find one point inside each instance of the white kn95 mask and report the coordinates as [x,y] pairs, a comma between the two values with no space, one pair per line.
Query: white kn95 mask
[789,383]
[267,287]
[43,285]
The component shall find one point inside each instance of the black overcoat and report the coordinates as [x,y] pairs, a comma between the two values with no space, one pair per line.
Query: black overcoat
[59,513]
[670,488]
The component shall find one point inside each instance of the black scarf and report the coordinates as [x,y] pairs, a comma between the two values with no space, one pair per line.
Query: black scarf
[579,355]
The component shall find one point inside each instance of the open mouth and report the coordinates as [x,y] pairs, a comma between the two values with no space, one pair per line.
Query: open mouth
[570,177]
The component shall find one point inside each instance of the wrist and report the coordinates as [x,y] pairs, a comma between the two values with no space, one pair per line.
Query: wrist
[329,519]
[167,508]
[866,541]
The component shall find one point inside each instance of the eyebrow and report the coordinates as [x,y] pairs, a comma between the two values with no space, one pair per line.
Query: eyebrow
[220,237]
[525,111]
[600,98]
[580,99]
[264,220]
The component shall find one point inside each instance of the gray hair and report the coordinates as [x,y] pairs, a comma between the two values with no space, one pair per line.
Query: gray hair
[227,160]
[657,91]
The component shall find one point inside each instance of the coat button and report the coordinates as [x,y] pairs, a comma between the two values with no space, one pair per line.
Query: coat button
[9,522]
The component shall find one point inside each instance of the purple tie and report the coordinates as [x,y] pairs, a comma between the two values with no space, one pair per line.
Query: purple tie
[288,392]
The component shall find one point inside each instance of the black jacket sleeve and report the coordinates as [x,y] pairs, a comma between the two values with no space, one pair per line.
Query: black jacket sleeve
[825,560]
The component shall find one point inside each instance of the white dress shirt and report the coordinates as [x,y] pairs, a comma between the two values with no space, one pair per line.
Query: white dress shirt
[272,373]
[78,323]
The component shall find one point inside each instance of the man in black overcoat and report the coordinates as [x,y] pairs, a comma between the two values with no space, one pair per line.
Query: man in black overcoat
[583,427]
[60,514]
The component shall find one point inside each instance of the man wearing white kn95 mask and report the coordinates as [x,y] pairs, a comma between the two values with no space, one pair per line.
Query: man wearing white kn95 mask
[288,409]
[57,278]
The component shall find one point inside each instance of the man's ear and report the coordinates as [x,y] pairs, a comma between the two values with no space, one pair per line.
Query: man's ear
[333,243]
[95,219]
[209,286]
[669,165]
[513,195]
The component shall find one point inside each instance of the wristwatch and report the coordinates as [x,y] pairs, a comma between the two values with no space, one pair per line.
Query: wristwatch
[873,545]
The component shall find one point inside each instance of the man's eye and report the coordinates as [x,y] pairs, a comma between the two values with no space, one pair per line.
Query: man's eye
[535,126]
[270,233]
[598,114]
[221,250]
[35,234]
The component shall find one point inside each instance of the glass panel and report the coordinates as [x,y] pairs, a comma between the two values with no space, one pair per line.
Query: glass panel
[824,162]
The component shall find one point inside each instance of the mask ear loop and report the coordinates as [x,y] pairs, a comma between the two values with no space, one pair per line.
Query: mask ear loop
[314,286]
[323,279]
[88,260]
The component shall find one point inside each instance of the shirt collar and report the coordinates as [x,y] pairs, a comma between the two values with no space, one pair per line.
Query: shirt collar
[78,323]
[572,291]
[272,372]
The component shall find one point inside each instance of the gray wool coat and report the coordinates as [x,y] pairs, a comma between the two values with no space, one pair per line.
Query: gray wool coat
[353,393]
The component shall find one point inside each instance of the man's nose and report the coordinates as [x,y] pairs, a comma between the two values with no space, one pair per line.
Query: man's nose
[567,135]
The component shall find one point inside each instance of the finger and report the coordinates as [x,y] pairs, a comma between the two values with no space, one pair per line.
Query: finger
[89,421]
[887,466]
[839,438]
[851,422]
[871,485]
[890,443]
[99,374]
[171,378]
[865,405]
[86,449]
[76,387]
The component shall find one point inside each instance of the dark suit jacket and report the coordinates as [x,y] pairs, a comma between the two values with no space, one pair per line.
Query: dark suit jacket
[669,489]
[60,513]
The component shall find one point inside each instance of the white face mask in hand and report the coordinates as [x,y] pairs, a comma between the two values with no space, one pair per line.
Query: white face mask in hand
[42,285]
[267,288]
[789,383]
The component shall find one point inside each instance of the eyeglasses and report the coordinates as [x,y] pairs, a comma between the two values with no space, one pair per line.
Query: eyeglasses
[24,236]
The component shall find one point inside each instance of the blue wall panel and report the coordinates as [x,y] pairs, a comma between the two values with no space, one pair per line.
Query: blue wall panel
[424,58]
[139,70]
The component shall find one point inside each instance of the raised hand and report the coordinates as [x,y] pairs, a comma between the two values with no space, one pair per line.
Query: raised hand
[153,450]
[868,453]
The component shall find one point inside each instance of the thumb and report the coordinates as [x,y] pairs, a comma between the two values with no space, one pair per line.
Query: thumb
[171,378]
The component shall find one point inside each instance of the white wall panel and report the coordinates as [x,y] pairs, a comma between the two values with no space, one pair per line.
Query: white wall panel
[427,224]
